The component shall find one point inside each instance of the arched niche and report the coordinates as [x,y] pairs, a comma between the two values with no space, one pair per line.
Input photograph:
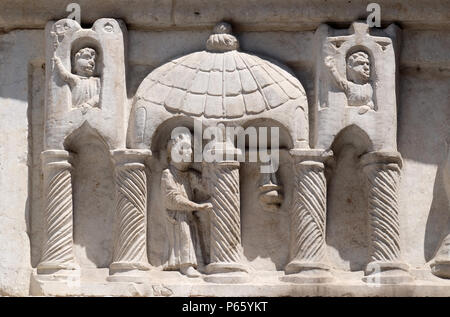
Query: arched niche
[156,227]
[347,219]
[93,197]
[220,85]
[355,136]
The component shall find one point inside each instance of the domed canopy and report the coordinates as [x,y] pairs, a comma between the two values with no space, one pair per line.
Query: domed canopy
[220,82]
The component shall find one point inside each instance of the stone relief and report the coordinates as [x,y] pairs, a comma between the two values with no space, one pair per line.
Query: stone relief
[84,85]
[357,87]
[198,210]
[378,157]
[94,109]
[178,183]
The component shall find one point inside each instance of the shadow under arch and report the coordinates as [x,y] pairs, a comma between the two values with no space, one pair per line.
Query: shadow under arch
[438,220]
[93,190]
[352,136]
[164,131]
[347,219]
[285,140]
[84,133]
[265,234]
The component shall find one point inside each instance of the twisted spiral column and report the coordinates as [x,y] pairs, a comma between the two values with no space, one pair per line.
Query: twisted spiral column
[225,245]
[308,214]
[226,226]
[308,219]
[382,170]
[222,172]
[440,266]
[58,248]
[130,244]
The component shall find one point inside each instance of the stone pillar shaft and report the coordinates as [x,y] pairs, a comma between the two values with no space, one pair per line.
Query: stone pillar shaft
[383,211]
[382,170]
[308,220]
[308,213]
[58,248]
[130,244]
[225,220]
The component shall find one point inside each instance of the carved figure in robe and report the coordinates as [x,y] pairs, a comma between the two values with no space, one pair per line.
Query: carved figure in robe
[178,183]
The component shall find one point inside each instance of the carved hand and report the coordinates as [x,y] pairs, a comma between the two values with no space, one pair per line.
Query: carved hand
[205,207]
[85,107]
[329,62]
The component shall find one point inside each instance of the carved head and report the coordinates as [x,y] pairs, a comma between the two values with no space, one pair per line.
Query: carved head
[179,150]
[85,62]
[358,67]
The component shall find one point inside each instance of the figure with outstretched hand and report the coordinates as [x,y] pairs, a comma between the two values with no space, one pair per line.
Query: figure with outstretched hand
[85,87]
[177,187]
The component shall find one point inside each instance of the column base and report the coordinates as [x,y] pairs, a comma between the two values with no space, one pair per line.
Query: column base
[226,273]
[121,267]
[51,272]
[441,269]
[307,272]
[387,273]
[128,272]
[52,267]
[135,276]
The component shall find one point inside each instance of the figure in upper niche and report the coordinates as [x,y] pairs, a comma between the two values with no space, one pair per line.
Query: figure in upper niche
[357,87]
[84,85]
[177,187]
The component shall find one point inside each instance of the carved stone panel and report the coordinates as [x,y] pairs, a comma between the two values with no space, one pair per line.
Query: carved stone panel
[85,71]
[355,84]
[177,158]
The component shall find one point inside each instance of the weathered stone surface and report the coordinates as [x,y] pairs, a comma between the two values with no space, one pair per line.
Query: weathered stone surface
[17,60]
[254,14]
[86,217]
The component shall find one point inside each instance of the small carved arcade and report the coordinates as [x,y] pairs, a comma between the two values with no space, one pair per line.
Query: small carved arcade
[355,89]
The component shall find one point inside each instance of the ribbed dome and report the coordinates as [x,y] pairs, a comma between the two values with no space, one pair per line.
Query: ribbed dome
[220,82]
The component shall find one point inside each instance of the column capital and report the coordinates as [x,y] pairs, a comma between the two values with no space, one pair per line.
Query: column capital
[57,158]
[124,156]
[224,163]
[381,157]
[313,155]
[222,152]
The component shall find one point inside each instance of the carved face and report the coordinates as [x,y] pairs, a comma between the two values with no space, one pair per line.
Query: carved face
[358,67]
[85,62]
[180,151]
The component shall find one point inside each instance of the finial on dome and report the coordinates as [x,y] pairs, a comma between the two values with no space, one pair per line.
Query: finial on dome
[222,40]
